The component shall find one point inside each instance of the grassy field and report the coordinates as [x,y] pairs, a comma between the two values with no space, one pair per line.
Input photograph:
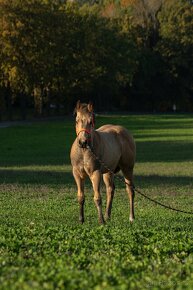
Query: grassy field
[42,245]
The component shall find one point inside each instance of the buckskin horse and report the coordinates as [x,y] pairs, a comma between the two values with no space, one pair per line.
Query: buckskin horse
[112,144]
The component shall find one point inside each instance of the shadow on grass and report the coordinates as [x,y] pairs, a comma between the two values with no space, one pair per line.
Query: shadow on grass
[153,151]
[56,178]
[158,180]
[157,121]
[42,177]
[164,151]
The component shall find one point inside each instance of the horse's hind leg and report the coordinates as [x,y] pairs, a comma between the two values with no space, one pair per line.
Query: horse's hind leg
[109,183]
[128,174]
[80,194]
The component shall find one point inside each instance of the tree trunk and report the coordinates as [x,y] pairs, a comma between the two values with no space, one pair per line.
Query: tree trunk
[23,107]
[8,100]
[38,101]
[48,99]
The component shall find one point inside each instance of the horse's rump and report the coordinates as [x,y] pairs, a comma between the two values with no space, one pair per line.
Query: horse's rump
[119,134]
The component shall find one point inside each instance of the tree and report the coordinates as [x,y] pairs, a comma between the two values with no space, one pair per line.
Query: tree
[176,48]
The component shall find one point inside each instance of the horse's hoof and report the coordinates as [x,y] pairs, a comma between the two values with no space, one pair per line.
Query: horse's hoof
[81,221]
[107,218]
[131,220]
[101,222]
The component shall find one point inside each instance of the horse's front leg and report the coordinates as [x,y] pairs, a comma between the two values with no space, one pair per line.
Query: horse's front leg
[80,195]
[96,180]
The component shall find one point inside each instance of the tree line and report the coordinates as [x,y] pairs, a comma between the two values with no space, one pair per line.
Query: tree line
[126,55]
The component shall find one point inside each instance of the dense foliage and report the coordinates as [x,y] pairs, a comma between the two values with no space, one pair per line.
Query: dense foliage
[42,245]
[126,55]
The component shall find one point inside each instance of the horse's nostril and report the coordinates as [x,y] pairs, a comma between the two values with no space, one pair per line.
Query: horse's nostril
[83,143]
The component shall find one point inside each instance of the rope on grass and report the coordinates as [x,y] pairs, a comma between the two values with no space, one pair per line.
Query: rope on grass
[161,204]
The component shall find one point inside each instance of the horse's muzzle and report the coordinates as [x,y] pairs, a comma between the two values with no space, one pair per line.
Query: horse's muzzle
[83,144]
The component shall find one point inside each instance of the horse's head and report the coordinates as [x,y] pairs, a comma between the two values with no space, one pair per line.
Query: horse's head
[84,123]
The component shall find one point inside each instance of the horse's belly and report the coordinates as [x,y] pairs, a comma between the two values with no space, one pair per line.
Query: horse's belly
[111,154]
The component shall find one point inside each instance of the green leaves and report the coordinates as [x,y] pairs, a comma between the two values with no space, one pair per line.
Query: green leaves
[64,49]
[93,257]
[126,55]
[176,46]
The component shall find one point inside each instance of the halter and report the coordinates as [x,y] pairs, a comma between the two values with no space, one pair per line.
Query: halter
[84,130]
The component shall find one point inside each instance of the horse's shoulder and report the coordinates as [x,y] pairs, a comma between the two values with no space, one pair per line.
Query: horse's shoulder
[75,153]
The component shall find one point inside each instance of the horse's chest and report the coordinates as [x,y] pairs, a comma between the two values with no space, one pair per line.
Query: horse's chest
[85,165]
[89,167]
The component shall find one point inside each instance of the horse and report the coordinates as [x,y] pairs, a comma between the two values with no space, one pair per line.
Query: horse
[112,144]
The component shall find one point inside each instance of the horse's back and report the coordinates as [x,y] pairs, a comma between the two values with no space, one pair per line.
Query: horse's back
[115,133]
[122,134]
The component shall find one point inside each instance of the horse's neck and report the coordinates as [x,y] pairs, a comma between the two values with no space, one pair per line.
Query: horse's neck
[96,142]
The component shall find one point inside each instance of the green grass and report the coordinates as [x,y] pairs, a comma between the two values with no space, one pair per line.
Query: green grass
[42,245]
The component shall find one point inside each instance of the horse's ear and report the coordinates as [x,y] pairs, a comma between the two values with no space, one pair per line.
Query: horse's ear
[78,105]
[90,107]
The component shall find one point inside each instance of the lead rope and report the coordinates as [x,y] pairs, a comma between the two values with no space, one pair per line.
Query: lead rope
[121,178]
